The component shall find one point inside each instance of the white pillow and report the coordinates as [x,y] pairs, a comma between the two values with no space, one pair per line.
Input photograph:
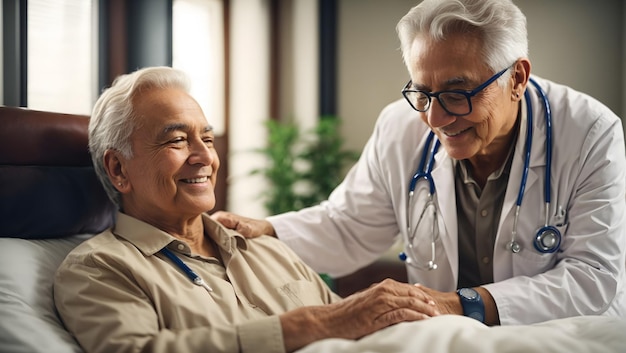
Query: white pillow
[29,321]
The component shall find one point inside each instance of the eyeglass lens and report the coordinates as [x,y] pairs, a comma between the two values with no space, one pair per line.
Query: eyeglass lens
[453,103]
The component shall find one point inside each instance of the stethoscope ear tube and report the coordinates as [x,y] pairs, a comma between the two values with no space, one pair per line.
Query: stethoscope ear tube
[548,238]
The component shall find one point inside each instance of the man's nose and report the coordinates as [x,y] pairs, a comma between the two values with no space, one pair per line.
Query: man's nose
[437,116]
[201,153]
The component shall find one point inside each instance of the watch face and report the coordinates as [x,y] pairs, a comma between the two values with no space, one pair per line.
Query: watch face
[468,293]
[472,304]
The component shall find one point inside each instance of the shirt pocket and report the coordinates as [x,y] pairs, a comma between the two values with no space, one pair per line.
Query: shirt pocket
[300,293]
[530,261]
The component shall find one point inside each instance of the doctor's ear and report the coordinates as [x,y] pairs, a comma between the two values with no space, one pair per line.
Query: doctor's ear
[520,77]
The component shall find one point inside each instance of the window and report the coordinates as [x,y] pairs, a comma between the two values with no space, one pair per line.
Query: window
[198,49]
[62,55]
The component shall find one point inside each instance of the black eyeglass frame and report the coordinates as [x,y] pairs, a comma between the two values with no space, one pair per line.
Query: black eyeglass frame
[468,94]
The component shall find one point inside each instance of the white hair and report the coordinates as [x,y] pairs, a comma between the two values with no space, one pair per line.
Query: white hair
[113,121]
[500,24]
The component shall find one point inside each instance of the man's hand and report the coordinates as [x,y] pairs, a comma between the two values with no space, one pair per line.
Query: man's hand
[248,227]
[381,305]
[446,302]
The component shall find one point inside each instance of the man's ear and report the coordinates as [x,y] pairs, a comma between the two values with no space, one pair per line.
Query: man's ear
[114,166]
[520,77]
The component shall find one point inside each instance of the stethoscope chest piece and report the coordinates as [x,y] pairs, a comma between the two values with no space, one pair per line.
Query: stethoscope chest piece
[547,240]
[514,247]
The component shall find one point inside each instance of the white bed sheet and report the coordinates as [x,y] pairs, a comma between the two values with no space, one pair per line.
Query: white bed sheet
[452,334]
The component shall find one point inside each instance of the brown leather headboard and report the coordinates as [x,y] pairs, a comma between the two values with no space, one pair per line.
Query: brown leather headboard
[48,187]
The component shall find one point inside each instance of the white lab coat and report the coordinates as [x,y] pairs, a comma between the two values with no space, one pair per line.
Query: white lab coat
[367,211]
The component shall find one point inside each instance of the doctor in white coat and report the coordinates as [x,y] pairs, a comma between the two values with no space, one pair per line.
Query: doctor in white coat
[564,253]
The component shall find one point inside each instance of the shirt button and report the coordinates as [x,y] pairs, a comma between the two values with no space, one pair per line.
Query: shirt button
[486,260]
[181,247]
[484,213]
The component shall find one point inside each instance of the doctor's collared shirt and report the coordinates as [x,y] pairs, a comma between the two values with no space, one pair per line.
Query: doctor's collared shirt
[117,293]
[478,212]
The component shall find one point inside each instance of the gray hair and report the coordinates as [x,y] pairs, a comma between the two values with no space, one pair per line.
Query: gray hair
[500,24]
[113,118]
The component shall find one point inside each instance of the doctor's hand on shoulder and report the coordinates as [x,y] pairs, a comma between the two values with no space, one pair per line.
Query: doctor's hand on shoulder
[248,227]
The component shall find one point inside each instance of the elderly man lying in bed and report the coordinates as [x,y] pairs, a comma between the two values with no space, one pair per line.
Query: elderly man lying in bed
[167,278]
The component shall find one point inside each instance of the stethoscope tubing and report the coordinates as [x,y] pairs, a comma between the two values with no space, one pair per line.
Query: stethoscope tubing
[424,172]
[548,113]
[529,141]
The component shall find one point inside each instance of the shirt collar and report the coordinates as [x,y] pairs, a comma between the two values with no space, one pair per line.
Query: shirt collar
[149,239]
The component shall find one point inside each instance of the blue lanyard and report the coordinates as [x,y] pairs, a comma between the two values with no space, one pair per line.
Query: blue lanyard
[194,277]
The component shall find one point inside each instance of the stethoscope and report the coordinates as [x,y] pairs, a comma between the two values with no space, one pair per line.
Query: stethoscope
[194,277]
[547,238]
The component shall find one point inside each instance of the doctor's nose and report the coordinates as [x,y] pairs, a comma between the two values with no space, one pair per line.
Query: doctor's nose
[437,117]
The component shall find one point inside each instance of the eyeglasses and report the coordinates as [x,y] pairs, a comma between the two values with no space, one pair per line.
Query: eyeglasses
[455,102]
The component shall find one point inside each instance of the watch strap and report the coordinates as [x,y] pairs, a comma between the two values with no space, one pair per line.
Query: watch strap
[472,303]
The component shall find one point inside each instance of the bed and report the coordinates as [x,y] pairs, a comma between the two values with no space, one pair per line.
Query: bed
[459,334]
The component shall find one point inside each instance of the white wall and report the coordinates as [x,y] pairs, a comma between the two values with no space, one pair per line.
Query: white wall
[249,102]
[305,48]
[250,89]
[576,42]
[298,62]
[370,71]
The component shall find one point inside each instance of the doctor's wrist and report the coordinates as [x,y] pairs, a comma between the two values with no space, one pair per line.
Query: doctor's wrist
[472,304]
[268,229]
[492,318]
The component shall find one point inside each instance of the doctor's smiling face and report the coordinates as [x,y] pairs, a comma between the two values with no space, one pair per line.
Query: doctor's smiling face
[457,63]
[173,169]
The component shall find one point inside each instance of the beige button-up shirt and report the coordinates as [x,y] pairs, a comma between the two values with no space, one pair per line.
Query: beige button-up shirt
[117,293]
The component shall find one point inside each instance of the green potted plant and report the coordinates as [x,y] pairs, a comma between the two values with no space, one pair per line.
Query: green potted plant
[326,158]
[280,197]
[303,167]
